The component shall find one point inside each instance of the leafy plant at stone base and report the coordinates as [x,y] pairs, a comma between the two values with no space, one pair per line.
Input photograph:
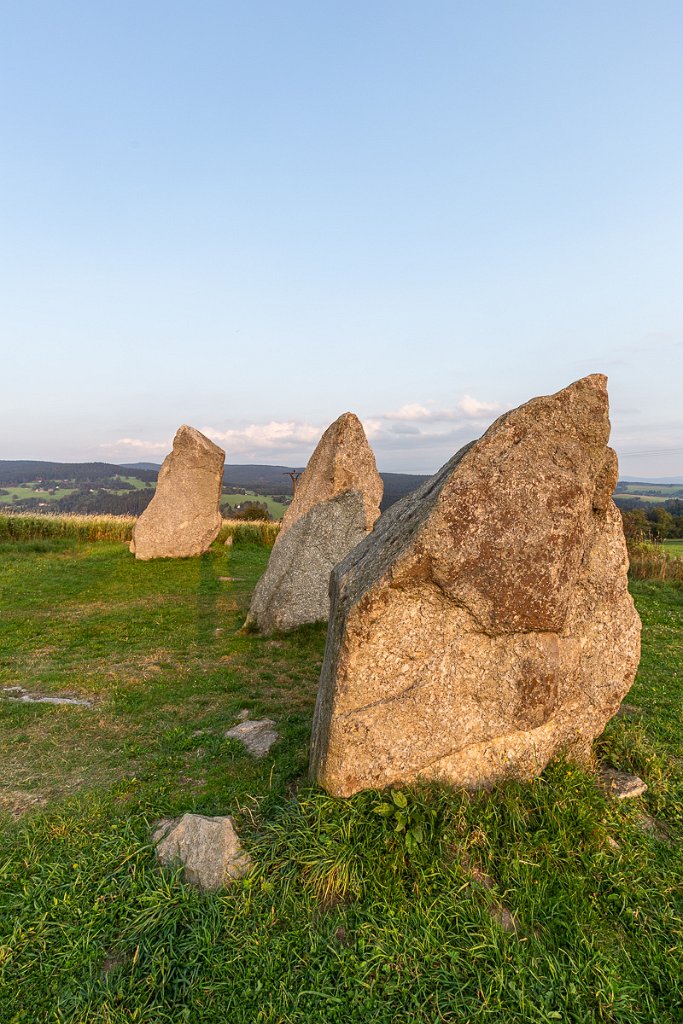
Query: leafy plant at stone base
[411,819]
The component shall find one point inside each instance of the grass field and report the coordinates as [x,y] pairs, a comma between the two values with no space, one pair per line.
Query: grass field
[535,903]
[674,547]
[29,490]
[652,499]
[15,493]
[666,490]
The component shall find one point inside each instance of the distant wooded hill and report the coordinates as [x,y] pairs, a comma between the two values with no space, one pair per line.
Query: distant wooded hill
[107,488]
[25,471]
[275,480]
[103,487]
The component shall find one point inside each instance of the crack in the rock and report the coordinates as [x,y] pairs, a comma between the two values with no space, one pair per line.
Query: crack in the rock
[383,700]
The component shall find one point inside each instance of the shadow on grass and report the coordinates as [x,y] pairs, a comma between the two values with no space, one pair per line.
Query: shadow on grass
[207,594]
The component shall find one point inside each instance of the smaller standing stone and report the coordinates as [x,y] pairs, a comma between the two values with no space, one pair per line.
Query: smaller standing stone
[208,848]
[335,506]
[295,587]
[183,518]
[342,461]
[258,736]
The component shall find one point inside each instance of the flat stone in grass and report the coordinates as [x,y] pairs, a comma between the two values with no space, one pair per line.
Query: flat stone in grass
[504,918]
[20,694]
[628,711]
[208,848]
[621,785]
[258,736]
[656,828]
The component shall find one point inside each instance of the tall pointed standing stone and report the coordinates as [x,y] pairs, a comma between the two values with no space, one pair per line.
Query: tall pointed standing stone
[486,623]
[342,461]
[336,504]
[183,518]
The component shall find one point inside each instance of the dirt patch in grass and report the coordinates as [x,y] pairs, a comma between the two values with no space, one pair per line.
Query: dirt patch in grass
[16,802]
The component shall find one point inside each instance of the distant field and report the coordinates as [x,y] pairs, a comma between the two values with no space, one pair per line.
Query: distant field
[31,489]
[653,499]
[27,491]
[668,490]
[275,508]
[651,493]
[674,547]
[137,483]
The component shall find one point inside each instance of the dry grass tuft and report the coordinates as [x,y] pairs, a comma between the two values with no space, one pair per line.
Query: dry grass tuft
[652,562]
[17,526]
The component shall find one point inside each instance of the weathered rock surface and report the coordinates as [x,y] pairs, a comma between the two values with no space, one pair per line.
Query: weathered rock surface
[257,735]
[336,504]
[183,518]
[295,587]
[621,785]
[486,623]
[342,461]
[18,693]
[208,848]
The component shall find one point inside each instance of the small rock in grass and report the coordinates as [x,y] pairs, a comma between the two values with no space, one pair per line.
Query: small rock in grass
[621,785]
[628,711]
[258,737]
[656,828]
[112,962]
[208,848]
[20,694]
[243,715]
[481,878]
[503,917]
[228,542]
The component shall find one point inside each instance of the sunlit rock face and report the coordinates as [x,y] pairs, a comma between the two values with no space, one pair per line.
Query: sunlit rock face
[183,518]
[342,461]
[486,623]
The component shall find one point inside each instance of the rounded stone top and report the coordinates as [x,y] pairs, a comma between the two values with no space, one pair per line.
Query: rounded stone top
[342,461]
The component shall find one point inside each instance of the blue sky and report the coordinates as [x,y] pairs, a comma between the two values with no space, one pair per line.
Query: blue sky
[252,217]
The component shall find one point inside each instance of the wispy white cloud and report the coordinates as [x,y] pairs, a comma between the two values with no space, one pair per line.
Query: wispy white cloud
[265,437]
[136,444]
[416,431]
[467,408]
[413,411]
[475,409]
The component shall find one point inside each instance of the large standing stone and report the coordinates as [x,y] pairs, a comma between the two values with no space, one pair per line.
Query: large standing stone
[336,503]
[295,587]
[486,623]
[342,461]
[183,518]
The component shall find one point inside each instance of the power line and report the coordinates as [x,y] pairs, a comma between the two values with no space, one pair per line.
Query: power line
[654,452]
